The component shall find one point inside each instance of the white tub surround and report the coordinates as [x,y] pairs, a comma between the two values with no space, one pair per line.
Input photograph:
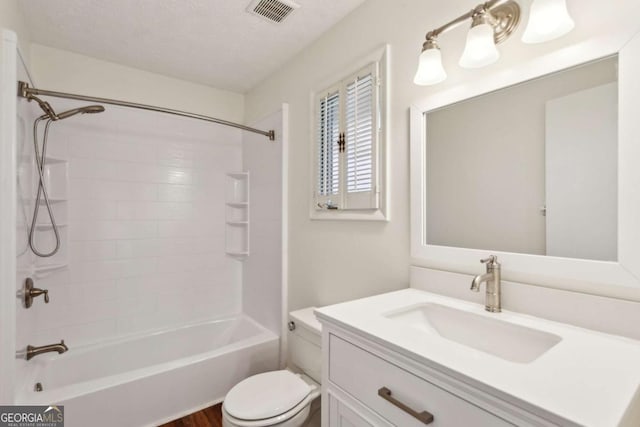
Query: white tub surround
[587,378]
[150,379]
[145,214]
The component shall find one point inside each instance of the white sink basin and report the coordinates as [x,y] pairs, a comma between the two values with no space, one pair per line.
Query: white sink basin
[508,341]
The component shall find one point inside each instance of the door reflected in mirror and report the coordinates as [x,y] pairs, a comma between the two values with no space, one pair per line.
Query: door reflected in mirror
[531,168]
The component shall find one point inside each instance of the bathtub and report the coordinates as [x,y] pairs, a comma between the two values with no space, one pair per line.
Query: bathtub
[151,379]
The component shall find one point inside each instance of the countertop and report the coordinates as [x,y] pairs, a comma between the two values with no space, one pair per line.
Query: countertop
[589,378]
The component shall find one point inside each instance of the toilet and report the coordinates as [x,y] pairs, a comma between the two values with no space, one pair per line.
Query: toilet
[284,398]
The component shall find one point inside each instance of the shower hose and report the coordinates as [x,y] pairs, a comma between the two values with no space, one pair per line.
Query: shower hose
[42,190]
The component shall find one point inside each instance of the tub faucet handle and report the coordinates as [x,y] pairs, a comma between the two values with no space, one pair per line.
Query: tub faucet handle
[31,292]
[35,292]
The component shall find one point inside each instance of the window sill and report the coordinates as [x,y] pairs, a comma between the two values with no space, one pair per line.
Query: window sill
[348,215]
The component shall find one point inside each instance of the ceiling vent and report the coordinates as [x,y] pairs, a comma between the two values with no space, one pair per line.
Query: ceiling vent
[272,10]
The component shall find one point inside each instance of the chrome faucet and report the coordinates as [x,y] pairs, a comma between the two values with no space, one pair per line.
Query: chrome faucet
[492,277]
[34,351]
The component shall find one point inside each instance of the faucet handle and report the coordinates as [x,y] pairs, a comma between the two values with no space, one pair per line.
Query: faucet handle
[490,260]
[30,292]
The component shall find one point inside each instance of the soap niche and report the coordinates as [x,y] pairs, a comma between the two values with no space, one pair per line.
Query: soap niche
[45,242]
[59,213]
[237,190]
[55,179]
[237,240]
[237,215]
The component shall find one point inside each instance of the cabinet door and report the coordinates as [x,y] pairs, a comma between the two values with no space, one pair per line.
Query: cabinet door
[341,415]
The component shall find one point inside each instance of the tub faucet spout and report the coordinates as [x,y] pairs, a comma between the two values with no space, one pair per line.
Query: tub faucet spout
[34,351]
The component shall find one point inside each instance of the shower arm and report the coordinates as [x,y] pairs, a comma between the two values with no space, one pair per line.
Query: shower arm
[25,91]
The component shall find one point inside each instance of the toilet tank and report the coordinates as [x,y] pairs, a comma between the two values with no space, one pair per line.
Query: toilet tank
[304,343]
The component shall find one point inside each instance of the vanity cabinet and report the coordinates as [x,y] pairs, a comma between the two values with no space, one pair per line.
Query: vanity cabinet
[366,384]
[412,358]
[399,396]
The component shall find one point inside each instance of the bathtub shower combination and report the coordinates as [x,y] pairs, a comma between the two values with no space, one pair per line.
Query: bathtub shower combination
[150,379]
[165,345]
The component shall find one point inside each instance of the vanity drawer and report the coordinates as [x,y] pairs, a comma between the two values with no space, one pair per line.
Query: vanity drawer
[369,379]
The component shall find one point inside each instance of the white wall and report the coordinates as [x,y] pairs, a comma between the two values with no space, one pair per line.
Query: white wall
[336,261]
[60,70]
[11,18]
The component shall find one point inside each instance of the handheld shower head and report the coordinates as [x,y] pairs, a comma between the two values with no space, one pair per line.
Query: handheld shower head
[89,109]
[51,114]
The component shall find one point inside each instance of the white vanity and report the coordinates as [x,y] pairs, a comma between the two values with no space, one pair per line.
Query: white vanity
[414,358]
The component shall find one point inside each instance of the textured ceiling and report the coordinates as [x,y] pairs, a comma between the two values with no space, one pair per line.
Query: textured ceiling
[213,42]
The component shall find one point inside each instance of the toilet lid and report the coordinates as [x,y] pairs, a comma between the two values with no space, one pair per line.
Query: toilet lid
[265,395]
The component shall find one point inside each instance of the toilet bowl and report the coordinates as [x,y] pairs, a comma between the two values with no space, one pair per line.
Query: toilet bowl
[277,398]
[281,398]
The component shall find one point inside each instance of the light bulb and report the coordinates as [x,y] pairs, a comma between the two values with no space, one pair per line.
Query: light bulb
[430,70]
[480,49]
[548,20]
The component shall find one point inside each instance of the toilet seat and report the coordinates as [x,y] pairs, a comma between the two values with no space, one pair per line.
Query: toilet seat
[272,398]
[293,417]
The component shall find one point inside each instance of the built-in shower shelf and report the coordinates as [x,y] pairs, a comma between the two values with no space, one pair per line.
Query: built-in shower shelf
[41,270]
[48,226]
[54,160]
[238,223]
[48,160]
[238,175]
[237,215]
[239,255]
[53,200]
[238,204]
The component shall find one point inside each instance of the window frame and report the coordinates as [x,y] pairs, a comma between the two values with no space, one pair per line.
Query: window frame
[378,62]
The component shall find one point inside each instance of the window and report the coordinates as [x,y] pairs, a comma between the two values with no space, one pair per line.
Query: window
[348,147]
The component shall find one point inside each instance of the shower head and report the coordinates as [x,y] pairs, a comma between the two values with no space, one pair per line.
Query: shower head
[52,115]
[89,109]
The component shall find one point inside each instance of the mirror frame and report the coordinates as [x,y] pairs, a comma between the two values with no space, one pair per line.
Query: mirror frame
[619,279]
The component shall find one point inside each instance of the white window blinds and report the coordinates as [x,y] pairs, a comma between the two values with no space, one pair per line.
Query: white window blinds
[360,135]
[347,140]
[328,149]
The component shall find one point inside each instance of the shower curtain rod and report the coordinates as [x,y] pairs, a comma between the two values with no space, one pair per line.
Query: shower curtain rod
[24,91]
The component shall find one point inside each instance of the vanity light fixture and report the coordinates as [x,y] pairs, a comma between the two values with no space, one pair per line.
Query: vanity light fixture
[480,49]
[430,69]
[548,20]
[492,22]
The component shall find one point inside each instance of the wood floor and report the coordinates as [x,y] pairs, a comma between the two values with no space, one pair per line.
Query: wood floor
[208,417]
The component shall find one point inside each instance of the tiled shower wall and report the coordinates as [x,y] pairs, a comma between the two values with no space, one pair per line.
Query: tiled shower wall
[145,226]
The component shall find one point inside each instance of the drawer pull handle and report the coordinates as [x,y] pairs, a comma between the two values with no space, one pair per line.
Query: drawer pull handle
[423,416]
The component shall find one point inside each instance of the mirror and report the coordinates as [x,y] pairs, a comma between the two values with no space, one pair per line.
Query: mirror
[531,168]
[615,273]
